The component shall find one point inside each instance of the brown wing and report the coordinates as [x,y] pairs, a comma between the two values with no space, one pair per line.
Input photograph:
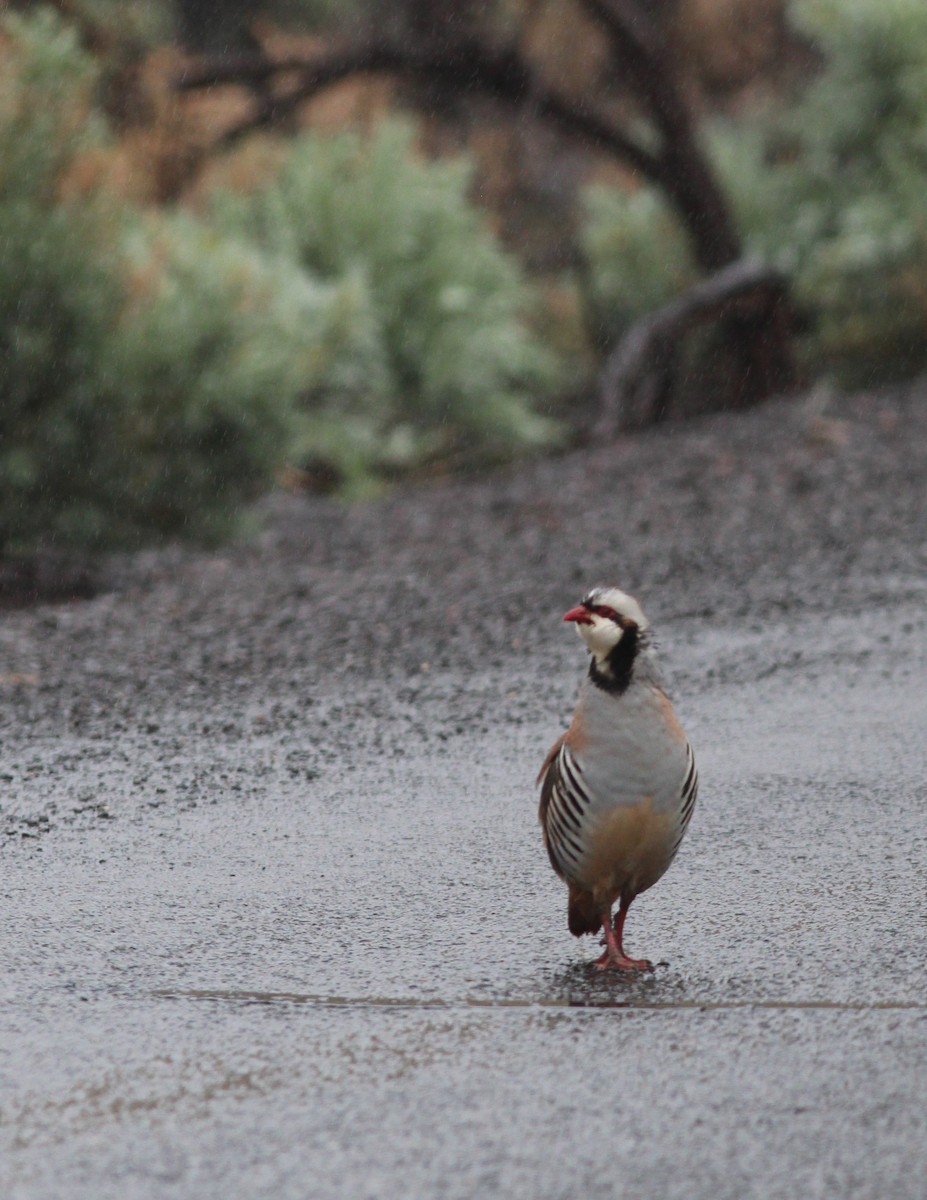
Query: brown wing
[551,755]
[547,778]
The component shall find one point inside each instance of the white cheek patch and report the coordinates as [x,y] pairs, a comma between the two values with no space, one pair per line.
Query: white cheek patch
[602,636]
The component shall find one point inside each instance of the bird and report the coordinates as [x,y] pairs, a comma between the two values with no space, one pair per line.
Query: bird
[618,788]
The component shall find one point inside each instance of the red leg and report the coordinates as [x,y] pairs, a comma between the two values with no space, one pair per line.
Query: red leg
[614,957]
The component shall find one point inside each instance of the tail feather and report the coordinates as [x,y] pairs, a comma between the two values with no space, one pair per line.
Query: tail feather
[582,914]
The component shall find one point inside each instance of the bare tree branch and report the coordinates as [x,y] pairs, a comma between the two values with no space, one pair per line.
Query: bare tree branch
[466,67]
[689,183]
[635,43]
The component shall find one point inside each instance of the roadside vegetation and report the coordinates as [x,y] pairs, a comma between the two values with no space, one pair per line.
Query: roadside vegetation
[334,307]
[829,184]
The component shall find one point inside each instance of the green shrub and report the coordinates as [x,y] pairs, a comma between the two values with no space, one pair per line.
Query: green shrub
[458,369]
[58,291]
[157,370]
[213,363]
[832,189]
[858,188]
[139,394]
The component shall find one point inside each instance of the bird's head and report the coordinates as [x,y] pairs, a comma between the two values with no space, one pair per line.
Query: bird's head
[604,618]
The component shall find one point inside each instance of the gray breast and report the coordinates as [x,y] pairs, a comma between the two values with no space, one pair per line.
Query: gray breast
[632,749]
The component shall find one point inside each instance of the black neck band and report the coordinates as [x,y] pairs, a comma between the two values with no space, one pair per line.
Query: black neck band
[617,671]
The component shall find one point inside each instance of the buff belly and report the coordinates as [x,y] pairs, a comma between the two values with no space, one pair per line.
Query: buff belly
[628,851]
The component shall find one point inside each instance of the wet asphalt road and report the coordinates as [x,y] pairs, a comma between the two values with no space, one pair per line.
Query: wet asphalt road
[277,917]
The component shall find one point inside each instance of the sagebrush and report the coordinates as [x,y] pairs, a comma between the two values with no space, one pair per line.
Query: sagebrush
[157,370]
[446,312]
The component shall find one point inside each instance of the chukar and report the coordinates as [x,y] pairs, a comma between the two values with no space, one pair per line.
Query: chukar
[619,787]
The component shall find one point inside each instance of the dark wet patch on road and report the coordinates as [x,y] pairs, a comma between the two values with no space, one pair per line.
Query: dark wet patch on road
[312,1000]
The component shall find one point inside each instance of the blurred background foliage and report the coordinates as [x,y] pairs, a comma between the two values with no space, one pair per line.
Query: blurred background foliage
[370,290]
[828,182]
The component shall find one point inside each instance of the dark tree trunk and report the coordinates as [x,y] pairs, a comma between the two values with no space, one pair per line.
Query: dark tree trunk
[691,188]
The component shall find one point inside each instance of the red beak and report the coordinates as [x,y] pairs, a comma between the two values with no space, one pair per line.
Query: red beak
[580,615]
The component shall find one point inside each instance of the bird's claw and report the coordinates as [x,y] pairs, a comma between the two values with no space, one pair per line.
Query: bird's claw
[620,962]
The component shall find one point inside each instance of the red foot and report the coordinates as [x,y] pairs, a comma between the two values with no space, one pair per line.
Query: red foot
[614,958]
[621,962]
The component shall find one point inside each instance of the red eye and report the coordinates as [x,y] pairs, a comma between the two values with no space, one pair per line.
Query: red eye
[602,610]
